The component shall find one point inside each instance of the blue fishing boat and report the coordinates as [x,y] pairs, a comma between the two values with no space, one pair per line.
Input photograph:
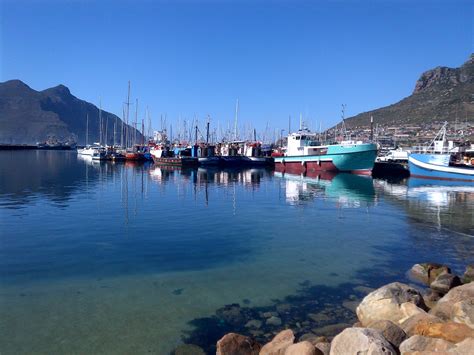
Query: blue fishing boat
[442,160]
[439,166]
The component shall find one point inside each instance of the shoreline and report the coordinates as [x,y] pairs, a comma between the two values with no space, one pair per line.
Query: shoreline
[434,315]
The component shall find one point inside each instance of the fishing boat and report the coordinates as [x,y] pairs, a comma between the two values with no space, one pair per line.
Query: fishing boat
[179,156]
[304,153]
[442,160]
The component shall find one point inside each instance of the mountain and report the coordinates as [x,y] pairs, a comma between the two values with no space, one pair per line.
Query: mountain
[28,116]
[440,94]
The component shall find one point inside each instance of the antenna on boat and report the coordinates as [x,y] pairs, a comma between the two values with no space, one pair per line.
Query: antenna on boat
[301,121]
[371,128]
[207,128]
[289,124]
[343,127]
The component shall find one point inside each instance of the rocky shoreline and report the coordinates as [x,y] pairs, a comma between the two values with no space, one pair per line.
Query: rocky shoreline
[398,318]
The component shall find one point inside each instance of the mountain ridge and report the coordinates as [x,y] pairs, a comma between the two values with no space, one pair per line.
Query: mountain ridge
[28,116]
[440,94]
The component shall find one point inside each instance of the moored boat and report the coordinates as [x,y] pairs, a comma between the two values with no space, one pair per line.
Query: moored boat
[305,154]
[442,160]
[438,166]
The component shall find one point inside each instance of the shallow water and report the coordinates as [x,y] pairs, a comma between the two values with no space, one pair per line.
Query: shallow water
[125,258]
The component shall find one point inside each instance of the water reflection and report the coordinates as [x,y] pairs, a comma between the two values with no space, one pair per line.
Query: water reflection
[346,190]
[444,204]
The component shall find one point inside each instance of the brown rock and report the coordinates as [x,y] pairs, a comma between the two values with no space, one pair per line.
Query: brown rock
[303,348]
[324,347]
[424,344]
[279,343]
[468,274]
[444,282]
[450,331]
[445,306]
[313,338]
[384,303]
[392,332]
[463,312]
[236,344]
[409,324]
[361,341]
[428,272]
[319,317]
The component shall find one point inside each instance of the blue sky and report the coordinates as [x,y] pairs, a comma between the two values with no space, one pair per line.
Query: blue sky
[190,58]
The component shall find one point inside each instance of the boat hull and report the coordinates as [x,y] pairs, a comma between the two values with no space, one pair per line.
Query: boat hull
[358,159]
[435,166]
[177,161]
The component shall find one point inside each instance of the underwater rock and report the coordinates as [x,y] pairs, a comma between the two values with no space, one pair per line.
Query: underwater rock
[254,323]
[188,349]
[275,321]
[231,314]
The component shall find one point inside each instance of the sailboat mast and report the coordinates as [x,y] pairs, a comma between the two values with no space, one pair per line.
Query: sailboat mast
[135,124]
[207,130]
[87,130]
[127,130]
[100,121]
[236,118]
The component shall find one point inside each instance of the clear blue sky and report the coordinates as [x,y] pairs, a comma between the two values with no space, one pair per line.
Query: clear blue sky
[191,58]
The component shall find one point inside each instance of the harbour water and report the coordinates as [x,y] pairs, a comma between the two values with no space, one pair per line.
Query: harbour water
[134,258]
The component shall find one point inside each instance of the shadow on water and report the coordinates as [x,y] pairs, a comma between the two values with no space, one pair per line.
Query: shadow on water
[314,309]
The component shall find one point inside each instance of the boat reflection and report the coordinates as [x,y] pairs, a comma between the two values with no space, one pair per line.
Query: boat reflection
[206,176]
[437,202]
[347,190]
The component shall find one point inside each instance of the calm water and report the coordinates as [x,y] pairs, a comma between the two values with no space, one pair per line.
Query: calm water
[124,258]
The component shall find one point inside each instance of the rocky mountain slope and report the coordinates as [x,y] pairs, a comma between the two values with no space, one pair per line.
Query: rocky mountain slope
[28,116]
[440,94]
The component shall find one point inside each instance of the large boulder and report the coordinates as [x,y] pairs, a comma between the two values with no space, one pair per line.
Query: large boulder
[449,331]
[361,341]
[445,282]
[464,347]
[424,344]
[236,344]
[279,343]
[384,303]
[468,274]
[463,312]
[428,272]
[390,331]
[409,324]
[445,307]
[302,348]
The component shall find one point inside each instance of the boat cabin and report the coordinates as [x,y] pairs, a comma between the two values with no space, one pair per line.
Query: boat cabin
[304,142]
